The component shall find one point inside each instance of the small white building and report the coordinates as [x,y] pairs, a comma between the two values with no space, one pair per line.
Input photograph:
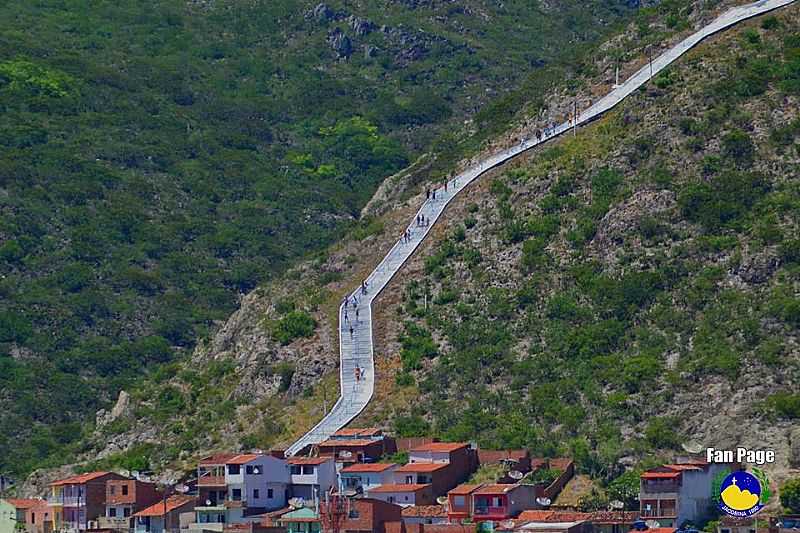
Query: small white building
[365,476]
[674,494]
[403,494]
[258,481]
[311,476]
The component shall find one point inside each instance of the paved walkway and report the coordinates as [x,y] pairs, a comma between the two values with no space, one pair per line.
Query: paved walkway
[357,369]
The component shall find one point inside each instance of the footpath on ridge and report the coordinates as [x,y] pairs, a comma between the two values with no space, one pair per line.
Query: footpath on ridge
[357,367]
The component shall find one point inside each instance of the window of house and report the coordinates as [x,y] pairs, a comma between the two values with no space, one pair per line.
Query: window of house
[391,499]
[236,495]
[295,470]
[33,518]
[234,470]
[269,493]
[124,490]
[353,512]
[112,512]
[126,512]
[406,497]
[256,494]
[725,530]
[459,501]
[308,469]
[409,480]
[112,489]
[252,470]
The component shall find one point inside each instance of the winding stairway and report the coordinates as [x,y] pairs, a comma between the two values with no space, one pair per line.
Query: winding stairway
[357,368]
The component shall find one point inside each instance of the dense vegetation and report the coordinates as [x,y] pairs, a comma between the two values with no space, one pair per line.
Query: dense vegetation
[587,304]
[161,159]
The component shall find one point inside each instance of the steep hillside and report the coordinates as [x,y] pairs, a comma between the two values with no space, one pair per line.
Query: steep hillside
[626,291]
[161,159]
[603,297]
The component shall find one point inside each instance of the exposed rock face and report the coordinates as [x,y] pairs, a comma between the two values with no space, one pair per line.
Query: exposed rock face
[321,13]
[340,43]
[121,408]
[359,25]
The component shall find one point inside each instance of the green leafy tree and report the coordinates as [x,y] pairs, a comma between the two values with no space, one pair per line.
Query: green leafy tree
[625,488]
[790,495]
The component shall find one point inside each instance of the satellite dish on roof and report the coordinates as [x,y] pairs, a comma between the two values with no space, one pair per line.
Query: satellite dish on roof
[544,502]
[652,524]
[692,446]
[183,489]
[350,493]
[441,500]
[125,473]
[208,503]
[516,474]
[347,454]
[507,524]
[296,503]
[616,504]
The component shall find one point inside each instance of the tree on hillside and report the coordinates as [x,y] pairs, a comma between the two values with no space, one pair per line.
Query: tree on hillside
[625,488]
[790,495]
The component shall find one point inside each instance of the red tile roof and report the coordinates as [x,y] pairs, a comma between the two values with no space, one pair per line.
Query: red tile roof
[496,488]
[346,442]
[440,447]
[395,487]
[614,517]
[660,475]
[242,459]
[367,467]
[80,479]
[173,502]
[24,503]
[424,511]
[553,516]
[421,467]
[308,460]
[217,459]
[358,432]
[683,467]
[464,489]
[656,530]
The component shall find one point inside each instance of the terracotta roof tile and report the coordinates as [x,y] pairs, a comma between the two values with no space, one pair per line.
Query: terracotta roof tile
[346,442]
[242,459]
[496,488]
[660,475]
[440,447]
[464,489]
[553,516]
[308,460]
[25,503]
[367,467]
[395,487]
[80,479]
[173,502]
[217,459]
[424,511]
[358,432]
[422,467]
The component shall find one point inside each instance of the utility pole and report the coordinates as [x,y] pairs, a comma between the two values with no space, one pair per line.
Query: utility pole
[575,118]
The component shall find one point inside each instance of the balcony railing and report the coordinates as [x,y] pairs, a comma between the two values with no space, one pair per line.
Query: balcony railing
[211,481]
[491,510]
[74,501]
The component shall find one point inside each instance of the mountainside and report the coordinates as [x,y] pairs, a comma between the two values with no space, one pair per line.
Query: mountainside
[161,159]
[611,296]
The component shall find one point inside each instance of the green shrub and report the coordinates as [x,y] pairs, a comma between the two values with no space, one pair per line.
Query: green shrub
[294,325]
[417,345]
[723,201]
[784,404]
[738,146]
[661,432]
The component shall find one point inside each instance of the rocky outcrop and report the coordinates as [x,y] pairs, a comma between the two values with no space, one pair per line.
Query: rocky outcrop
[340,43]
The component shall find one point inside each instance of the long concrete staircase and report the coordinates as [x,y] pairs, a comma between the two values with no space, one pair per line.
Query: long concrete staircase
[357,367]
